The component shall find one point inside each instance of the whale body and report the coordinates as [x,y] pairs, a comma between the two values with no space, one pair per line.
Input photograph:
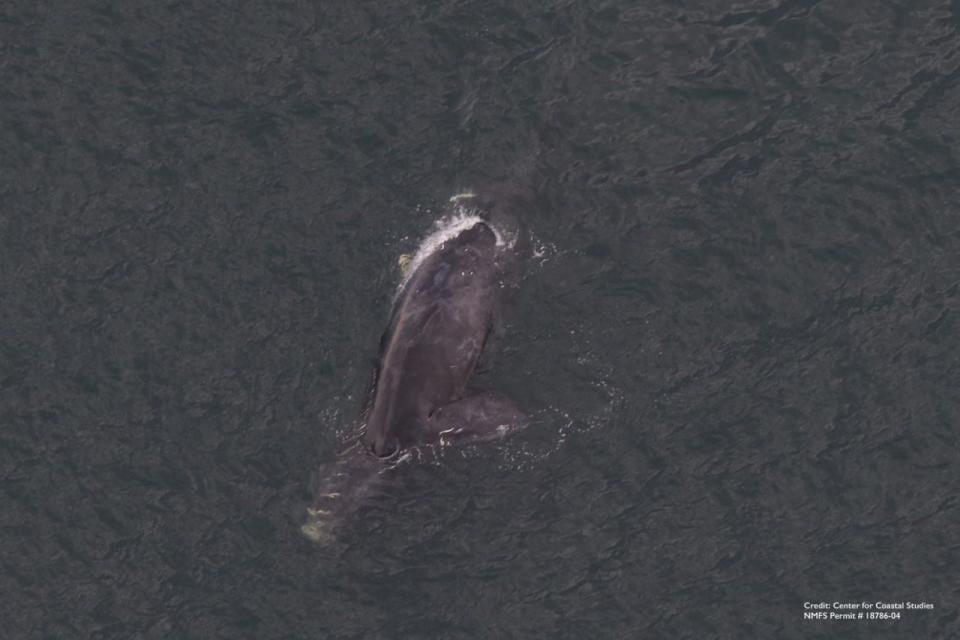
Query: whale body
[438,329]
[436,334]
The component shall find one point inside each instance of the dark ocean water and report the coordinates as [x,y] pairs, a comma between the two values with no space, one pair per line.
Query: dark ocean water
[739,340]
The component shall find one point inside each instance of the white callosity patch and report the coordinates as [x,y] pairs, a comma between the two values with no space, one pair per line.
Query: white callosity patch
[466,195]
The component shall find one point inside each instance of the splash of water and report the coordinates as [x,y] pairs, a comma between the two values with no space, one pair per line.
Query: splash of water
[463,215]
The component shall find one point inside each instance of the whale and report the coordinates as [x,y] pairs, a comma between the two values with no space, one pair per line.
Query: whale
[439,327]
[436,334]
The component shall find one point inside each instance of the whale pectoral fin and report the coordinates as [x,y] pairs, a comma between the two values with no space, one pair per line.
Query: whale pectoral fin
[485,416]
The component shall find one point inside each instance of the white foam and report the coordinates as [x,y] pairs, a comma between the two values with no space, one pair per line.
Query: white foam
[448,227]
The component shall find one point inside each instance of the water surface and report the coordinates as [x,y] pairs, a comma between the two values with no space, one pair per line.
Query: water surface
[740,334]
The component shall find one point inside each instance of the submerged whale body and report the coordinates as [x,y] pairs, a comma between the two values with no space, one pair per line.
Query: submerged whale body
[437,332]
